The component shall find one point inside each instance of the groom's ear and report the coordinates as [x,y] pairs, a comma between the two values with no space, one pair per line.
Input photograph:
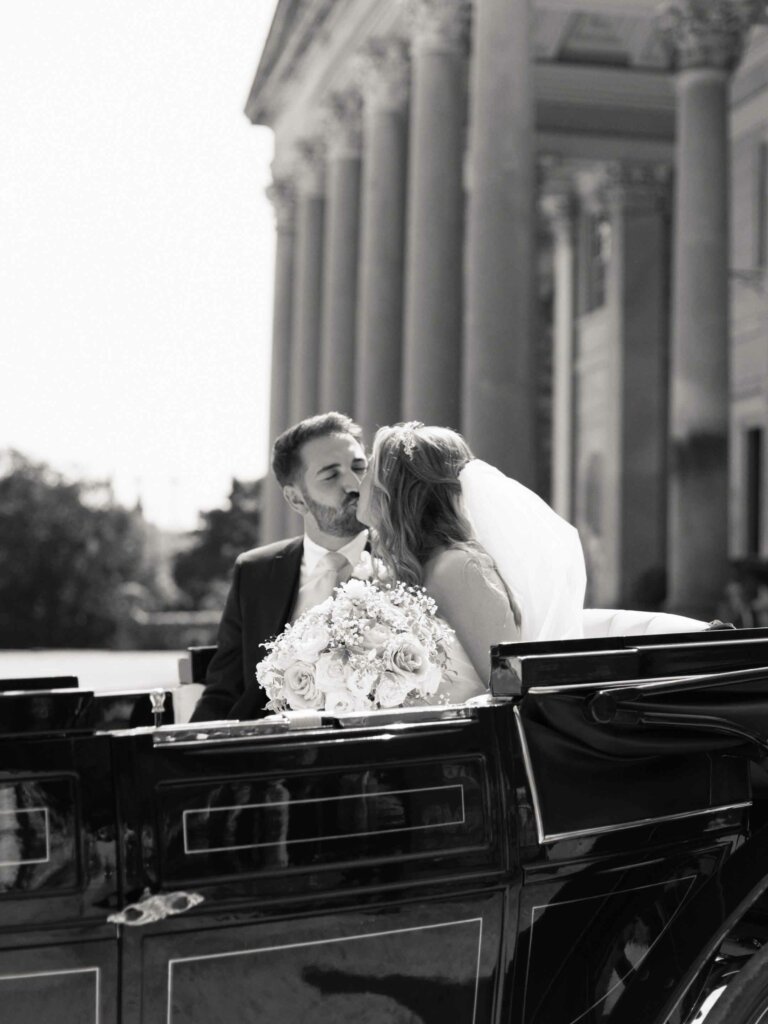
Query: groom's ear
[295,498]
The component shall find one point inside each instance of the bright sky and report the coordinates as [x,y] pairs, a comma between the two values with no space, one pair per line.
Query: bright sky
[136,245]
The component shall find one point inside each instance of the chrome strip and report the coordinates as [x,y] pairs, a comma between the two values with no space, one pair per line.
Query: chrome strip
[327,942]
[653,684]
[529,773]
[196,734]
[639,822]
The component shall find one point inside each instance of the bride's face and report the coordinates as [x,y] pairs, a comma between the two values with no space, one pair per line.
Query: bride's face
[364,511]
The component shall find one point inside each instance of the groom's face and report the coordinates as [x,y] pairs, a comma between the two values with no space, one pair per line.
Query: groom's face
[327,491]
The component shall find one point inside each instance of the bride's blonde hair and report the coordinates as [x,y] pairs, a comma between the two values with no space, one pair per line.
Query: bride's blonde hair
[416,498]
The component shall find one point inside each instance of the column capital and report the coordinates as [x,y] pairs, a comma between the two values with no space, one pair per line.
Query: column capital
[590,184]
[310,165]
[282,194]
[559,206]
[638,185]
[708,33]
[343,123]
[439,26]
[384,72]
[556,190]
[557,193]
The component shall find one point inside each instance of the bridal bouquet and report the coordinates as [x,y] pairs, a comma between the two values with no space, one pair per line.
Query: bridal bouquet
[370,646]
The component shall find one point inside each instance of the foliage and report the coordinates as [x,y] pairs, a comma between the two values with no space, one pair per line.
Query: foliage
[67,552]
[203,570]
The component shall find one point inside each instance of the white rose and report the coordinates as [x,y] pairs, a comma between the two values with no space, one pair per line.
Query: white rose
[364,568]
[374,635]
[299,687]
[331,670]
[406,655]
[310,640]
[355,589]
[342,702]
[283,658]
[391,690]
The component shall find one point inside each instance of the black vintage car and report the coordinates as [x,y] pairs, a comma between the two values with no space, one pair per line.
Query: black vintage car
[587,845]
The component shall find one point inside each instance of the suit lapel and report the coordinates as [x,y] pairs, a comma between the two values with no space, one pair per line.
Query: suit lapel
[283,585]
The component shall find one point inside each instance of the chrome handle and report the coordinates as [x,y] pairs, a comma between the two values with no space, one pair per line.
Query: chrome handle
[155,907]
[157,700]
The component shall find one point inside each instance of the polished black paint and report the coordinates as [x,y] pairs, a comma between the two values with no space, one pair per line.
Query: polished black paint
[374,870]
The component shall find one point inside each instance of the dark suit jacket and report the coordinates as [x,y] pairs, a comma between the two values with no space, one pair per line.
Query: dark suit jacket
[260,601]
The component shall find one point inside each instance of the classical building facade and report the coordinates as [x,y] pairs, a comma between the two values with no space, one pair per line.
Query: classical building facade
[466,191]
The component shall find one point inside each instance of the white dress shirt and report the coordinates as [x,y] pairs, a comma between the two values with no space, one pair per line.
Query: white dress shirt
[313,553]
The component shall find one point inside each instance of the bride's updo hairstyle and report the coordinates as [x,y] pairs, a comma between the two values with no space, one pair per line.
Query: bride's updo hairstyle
[416,501]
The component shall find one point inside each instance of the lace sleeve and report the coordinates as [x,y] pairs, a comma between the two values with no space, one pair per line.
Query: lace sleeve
[472,599]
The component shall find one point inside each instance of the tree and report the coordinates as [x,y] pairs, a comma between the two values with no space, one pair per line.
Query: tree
[66,549]
[203,569]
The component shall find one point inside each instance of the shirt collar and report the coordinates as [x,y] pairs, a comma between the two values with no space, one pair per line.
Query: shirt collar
[313,552]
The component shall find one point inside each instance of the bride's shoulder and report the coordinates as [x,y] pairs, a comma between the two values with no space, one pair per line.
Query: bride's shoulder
[454,563]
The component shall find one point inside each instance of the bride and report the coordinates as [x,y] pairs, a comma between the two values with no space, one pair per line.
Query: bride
[499,563]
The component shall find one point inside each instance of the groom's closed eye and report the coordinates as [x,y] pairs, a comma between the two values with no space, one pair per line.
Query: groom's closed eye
[331,473]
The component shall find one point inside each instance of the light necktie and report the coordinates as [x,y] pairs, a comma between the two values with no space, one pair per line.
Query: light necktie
[332,570]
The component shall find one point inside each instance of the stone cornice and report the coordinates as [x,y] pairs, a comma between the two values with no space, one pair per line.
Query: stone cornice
[343,123]
[296,24]
[383,69]
[708,33]
[282,194]
[439,26]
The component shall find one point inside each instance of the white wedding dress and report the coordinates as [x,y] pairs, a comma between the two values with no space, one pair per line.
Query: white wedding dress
[522,578]
[460,680]
[474,602]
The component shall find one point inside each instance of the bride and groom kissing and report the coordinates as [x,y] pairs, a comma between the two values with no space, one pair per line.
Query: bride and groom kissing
[499,563]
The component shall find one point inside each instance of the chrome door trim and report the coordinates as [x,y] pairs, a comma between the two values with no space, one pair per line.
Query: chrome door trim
[660,683]
[554,837]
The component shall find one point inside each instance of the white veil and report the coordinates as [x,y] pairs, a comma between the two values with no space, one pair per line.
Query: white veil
[537,553]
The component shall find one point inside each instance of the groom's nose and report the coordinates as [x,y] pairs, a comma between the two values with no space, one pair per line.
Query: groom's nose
[351,482]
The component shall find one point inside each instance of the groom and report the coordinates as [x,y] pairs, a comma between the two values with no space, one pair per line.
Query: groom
[319,464]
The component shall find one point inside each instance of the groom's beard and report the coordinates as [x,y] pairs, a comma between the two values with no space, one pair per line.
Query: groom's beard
[336,522]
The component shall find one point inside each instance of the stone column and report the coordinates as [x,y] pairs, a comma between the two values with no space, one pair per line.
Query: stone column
[499,399]
[307,307]
[385,77]
[637,394]
[559,207]
[283,197]
[340,257]
[433,277]
[708,39]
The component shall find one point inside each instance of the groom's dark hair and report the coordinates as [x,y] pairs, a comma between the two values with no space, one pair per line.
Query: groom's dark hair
[286,451]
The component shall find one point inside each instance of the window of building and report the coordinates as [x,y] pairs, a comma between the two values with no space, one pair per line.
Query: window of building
[754,489]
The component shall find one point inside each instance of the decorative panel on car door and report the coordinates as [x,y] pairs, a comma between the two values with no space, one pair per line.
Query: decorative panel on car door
[58,859]
[70,982]
[427,961]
